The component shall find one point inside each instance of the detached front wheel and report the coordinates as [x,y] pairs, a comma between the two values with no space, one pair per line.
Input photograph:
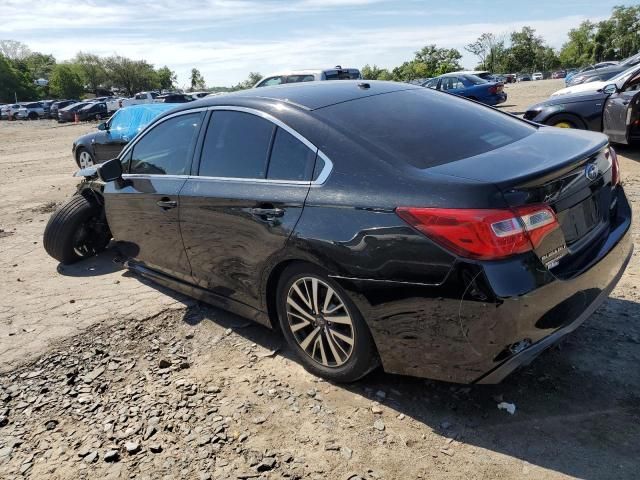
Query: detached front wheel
[323,325]
[77,230]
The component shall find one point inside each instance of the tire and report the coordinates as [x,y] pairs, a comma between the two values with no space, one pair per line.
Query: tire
[77,230]
[318,341]
[565,121]
[84,158]
[33,116]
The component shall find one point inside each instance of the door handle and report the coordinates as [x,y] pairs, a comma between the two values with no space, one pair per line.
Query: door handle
[267,212]
[165,203]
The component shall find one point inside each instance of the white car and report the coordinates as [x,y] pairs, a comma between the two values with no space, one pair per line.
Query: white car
[619,80]
[8,111]
[537,76]
[198,95]
[310,75]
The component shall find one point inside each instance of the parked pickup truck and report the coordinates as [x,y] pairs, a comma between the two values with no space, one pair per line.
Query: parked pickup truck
[139,99]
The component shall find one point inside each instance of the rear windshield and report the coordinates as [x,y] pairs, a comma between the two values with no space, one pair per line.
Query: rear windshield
[474,79]
[350,74]
[423,127]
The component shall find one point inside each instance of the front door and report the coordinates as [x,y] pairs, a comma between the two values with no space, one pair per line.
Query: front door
[143,213]
[239,210]
[108,144]
[621,110]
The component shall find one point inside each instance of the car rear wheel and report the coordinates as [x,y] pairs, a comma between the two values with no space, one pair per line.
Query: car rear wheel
[323,325]
[33,116]
[84,158]
[565,121]
[76,230]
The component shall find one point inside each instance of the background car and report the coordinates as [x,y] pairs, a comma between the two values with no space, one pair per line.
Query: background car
[619,79]
[57,106]
[483,74]
[198,95]
[602,74]
[174,98]
[537,76]
[30,111]
[587,70]
[309,75]
[469,86]
[8,111]
[523,77]
[559,74]
[93,111]
[613,110]
[112,135]
[68,113]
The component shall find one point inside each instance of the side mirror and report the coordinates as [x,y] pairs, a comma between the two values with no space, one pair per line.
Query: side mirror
[110,170]
[609,89]
[103,126]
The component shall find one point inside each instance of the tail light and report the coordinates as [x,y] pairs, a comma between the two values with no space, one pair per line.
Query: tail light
[483,234]
[615,167]
[493,89]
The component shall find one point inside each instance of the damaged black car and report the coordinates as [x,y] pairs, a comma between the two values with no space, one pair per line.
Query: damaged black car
[362,221]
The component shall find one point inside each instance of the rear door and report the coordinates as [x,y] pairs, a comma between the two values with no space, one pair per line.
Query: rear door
[239,209]
[143,213]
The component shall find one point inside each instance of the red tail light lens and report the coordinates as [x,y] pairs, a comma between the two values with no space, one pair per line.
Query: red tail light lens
[483,234]
[615,167]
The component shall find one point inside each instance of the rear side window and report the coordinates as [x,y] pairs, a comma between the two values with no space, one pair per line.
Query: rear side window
[424,128]
[350,74]
[290,158]
[271,81]
[300,78]
[167,148]
[236,146]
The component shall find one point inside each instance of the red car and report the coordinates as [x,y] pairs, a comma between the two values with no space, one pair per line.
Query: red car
[559,74]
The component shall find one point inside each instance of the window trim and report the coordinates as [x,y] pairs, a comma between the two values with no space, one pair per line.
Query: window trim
[197,153]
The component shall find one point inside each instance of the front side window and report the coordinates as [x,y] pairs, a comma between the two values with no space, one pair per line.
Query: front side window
[433,83]
[290,158]
[236,146]
[167,148]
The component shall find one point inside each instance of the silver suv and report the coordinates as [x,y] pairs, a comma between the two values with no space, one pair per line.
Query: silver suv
[30,111]
[309,75]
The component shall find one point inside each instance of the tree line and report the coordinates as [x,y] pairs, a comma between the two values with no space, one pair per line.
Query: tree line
[524,51]
[521,51]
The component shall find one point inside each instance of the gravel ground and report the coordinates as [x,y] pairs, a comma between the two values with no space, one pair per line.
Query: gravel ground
[106,375]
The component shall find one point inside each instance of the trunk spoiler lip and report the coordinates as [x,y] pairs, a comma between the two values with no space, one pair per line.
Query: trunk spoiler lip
[592,144]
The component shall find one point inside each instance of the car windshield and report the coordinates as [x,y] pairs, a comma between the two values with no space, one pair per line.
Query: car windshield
[423,127]
[622,77]
[350,74]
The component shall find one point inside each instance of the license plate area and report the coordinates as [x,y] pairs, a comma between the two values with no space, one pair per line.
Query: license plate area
[579,220]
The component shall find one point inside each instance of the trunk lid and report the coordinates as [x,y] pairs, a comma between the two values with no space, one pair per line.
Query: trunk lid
[570,171]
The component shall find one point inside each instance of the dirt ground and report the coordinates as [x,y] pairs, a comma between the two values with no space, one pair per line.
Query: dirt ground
[106,375]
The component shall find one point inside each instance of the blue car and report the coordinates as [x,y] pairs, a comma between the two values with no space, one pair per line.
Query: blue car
[469,86]
[587,69]
[115,133]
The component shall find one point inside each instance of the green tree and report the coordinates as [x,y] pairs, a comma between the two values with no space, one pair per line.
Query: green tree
[92,68]
[40,65]
[579,49]
[66,81]
[131,76]
[254,77]
[439,60]
[197,80]
[525,48]
[14,83]
[166,78]
[488,48]
[374,73]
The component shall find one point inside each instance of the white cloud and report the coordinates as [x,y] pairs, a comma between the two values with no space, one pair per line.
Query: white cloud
[155,30]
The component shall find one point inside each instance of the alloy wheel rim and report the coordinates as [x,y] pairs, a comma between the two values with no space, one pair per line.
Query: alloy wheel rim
[320,322]
[563,125]
[85,160]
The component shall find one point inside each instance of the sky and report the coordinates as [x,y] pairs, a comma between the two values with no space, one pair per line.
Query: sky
[226,39]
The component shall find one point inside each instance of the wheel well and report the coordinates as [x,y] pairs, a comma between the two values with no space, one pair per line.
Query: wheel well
[272,288]
[576,118]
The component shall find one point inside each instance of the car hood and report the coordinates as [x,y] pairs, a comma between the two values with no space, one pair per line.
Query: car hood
[583,87]
[542,152]
[568,98]
[85,139]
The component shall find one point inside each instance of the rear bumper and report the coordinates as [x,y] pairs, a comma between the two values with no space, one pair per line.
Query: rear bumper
[488,318]
[496,99]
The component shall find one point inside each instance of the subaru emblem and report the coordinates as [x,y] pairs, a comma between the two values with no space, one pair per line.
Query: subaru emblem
[591,171]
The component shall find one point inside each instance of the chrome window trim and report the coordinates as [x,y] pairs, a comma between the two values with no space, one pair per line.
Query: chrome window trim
[322,177]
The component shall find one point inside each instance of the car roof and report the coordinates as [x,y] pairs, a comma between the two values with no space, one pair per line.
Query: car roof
[307,71]
[469,72]
[306,95]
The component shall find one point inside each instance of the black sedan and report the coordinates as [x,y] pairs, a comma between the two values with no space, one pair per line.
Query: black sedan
[68,113]
[372,222]
[174,98]
[93,111]
[614,110]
